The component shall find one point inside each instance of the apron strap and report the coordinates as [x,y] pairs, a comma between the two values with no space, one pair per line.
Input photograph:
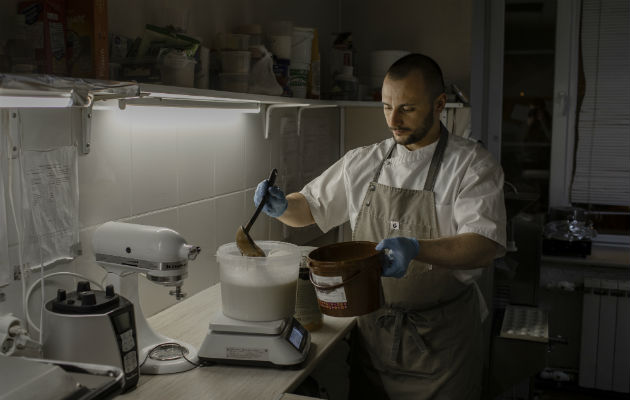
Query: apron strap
[436,161]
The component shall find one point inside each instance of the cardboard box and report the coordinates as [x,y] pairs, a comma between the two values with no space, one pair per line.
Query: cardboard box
[88,48]
[46,25]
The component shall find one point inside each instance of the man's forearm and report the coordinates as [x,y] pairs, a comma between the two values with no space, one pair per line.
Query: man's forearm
[298,212]
[465,251]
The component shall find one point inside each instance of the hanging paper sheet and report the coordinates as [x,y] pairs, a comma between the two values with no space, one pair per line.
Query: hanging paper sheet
[50,205]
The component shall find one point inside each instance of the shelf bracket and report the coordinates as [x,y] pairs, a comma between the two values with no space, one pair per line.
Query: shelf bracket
[309,107]
[86,129]
[269,108]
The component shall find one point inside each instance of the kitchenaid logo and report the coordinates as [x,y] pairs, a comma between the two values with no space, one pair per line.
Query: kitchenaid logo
[172,265]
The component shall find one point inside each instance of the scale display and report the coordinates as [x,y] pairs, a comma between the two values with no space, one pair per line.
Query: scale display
[297,334]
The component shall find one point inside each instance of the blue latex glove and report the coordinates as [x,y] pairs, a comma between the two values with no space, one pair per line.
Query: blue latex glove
[276,202]
[399,251]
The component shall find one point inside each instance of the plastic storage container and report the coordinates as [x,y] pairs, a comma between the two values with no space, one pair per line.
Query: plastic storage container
[177,69]
[301,44]
[346,86]
[298,78]
[259,288]
[347,278]
[307,310]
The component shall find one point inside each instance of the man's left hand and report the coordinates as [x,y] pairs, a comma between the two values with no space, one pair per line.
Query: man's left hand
[399,251]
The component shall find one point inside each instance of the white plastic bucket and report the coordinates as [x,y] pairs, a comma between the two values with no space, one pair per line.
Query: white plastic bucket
[259,288]
[298,78]
[178,70]
[280,46]
[301,45]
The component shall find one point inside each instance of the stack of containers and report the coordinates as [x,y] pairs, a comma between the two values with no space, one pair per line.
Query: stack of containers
[177,69]
[235,62]
[279,37]
[314,83]
[301,46]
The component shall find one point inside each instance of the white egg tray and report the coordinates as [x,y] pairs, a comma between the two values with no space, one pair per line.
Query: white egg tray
[526,323]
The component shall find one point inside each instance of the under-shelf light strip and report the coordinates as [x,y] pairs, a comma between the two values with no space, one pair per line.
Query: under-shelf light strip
[35,101]
[246,107]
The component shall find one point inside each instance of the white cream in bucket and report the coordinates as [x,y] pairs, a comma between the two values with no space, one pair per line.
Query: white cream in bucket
[259,288]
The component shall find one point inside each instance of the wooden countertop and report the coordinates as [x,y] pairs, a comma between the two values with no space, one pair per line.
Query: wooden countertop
[188,321]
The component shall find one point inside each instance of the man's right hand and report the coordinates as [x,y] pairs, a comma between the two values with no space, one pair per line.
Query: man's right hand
[276,202]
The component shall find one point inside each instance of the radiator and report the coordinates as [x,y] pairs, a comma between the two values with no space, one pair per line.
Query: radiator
[605,347]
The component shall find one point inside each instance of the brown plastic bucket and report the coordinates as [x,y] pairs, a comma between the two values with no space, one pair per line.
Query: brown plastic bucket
[347,278]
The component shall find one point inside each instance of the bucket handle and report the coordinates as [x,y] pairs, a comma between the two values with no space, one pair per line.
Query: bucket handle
[331,287]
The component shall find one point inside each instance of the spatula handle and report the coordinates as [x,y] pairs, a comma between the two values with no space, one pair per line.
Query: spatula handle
[272,180]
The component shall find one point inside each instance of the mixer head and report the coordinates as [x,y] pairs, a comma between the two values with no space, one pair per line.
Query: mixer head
[160,253]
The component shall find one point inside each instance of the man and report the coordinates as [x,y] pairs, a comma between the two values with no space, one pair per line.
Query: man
[434,203]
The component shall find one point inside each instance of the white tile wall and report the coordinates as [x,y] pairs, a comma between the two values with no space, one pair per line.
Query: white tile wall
[194,157]
[230,214]
[104,174]
[228,139]
[197,224]
[194,171]
[154,159]
[45,128]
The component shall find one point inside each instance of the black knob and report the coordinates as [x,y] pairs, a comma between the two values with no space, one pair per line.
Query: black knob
[83,286]
[109,291]
[88,298]
[61,294]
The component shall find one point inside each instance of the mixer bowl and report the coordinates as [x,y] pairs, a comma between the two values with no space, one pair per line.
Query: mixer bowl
[259,288]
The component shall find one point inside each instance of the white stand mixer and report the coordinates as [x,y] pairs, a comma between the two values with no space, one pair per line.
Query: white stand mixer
[124,250]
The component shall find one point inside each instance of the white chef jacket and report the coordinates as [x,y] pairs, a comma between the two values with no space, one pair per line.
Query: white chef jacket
[468,190]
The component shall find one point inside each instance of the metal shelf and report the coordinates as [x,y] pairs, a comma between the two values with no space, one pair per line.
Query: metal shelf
[44,91]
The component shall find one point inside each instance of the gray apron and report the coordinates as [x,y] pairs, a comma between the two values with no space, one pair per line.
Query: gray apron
[425,342]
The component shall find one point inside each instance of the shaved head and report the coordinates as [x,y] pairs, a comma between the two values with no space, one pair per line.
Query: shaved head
[422,64]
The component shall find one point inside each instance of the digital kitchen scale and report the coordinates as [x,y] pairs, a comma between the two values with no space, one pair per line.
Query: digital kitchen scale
[281,343]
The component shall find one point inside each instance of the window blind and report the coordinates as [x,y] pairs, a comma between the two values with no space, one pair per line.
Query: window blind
[602,158]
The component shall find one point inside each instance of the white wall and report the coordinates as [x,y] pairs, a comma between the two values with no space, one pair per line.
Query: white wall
[440,29]
[190,170]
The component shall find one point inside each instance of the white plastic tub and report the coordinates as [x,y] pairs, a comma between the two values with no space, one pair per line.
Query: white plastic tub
[259,288]
[178,70]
